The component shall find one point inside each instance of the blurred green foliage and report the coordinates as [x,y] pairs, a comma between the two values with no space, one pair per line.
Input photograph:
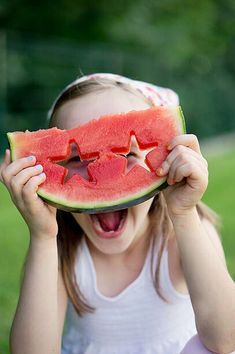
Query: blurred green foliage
[183,44]
[186,45]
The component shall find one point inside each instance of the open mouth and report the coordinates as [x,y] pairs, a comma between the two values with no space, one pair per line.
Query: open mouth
[110,224]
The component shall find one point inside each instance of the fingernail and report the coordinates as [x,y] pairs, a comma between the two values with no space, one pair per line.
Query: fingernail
[159,171]
[38,167]
[30,158]
[42,174]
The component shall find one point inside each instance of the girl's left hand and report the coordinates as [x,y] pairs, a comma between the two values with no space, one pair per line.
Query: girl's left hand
[187,172]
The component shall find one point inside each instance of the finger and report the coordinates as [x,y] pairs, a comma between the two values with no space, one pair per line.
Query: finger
[29,190]
[17,182]
[51,208]
[186,159]
[174,167]
[195,179]
[179,173]
[179,151]
[187,170]
[197,160]
[5,163]
[15,167]
[7,157]
[181,169]
[188,140]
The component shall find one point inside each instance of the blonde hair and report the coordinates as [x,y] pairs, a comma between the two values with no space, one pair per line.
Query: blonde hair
[70,233]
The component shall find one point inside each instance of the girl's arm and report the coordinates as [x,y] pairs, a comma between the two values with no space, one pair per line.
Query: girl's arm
[211,288]
[38,321]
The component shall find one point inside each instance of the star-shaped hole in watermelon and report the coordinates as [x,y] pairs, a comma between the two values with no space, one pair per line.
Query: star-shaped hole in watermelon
[75,165]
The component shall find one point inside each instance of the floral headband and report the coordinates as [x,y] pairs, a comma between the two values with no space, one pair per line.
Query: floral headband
[159,96]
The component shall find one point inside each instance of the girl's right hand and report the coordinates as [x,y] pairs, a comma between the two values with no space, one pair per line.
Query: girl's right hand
[22,178]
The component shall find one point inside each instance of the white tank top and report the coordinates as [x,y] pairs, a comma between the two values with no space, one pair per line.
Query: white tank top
[137,321]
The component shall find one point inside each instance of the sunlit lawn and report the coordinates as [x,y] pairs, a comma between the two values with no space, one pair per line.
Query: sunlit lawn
[13,243]
[14,237]
[220,196]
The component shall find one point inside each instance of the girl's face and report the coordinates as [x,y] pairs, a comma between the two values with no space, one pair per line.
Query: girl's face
[114,232]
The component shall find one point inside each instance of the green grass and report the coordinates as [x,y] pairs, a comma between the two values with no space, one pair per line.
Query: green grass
[220,196]
[13,244]
[14,236]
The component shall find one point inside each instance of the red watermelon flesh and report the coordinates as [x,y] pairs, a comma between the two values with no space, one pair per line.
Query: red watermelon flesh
[101,144]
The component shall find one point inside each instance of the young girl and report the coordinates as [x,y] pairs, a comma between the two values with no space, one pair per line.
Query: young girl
[157,285]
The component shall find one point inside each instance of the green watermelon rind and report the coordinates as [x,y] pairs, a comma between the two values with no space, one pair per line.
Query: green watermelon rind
[118,204]
[11,145]
[182,120]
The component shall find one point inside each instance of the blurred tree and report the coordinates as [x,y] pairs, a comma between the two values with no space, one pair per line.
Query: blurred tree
[182,30]
[183,44]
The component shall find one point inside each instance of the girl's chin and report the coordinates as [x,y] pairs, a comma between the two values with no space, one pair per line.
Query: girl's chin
[112,246]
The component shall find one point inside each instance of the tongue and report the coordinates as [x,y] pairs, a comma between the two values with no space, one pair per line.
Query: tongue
[110,221]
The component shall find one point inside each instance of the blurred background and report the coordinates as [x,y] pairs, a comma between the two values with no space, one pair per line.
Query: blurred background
[185,45]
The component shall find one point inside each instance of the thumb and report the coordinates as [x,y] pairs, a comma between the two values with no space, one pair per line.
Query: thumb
[169,189]
[7,157]
[5,163]
[52,209]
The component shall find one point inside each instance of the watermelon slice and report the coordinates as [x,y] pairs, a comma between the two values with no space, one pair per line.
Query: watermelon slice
[101,147]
